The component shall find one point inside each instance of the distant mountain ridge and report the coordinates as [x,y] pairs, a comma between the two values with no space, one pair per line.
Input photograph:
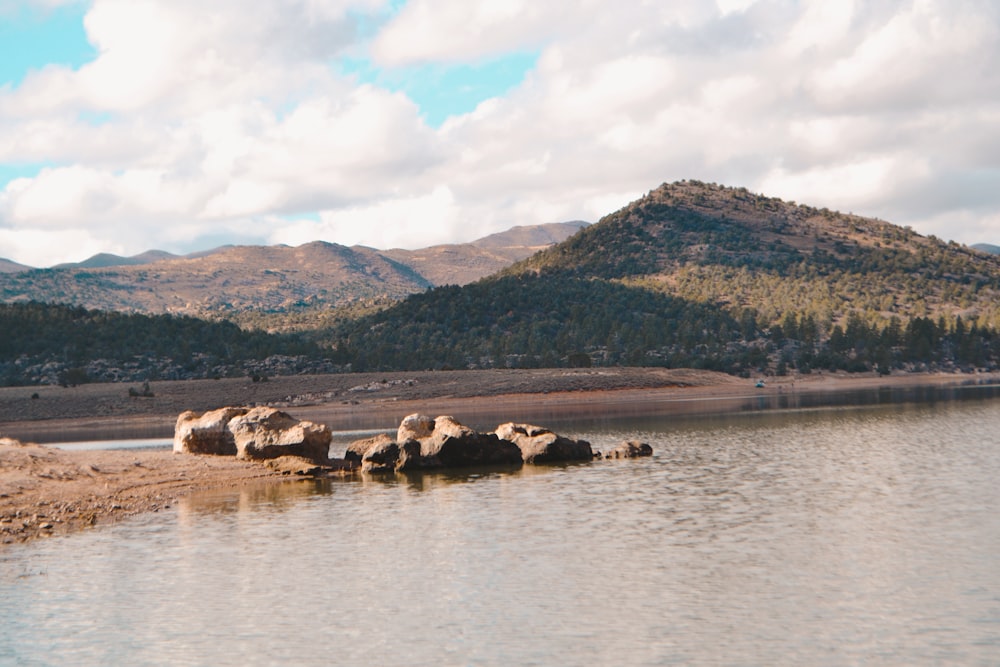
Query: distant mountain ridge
[987,247]
[460,264]
[7,266]
[231,280]
[106,260]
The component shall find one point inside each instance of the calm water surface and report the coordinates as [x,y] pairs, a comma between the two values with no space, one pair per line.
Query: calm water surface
[835,537]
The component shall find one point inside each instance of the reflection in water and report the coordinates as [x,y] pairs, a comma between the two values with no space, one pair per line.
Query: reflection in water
[834,537]
[267,496]
[147,443]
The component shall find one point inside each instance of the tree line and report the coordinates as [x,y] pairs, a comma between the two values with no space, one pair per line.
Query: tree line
[36,335]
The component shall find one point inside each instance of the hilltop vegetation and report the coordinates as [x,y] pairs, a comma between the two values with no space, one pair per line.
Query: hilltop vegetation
[711,244]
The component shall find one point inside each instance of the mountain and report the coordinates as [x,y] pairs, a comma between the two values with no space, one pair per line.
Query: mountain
[988,248]
[233,279]
[460,264]
[712,244]
[531,236]
[707,276]
[7,266]
[274,287]
[105,260]
[692,275]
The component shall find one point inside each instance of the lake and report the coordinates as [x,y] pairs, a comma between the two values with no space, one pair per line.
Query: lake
[832,536]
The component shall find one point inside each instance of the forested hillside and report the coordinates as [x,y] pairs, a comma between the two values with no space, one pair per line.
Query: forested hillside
[531,321]
[49,344]
[706,276]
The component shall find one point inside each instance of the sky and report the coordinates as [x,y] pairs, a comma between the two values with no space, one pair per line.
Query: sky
[181,125]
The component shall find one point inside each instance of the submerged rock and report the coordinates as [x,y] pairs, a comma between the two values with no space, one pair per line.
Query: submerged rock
[294,465]
[540,445]
[630,449]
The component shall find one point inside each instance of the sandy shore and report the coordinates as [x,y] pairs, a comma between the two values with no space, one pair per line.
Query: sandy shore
[46,491]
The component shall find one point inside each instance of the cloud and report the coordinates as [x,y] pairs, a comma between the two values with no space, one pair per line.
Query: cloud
[850,105]
[921,56]
[326,151]
[436,31]
[237,121]
[383,224]
[159,58]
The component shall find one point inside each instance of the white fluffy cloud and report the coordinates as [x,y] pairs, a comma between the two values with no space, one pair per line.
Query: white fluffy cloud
[235,123]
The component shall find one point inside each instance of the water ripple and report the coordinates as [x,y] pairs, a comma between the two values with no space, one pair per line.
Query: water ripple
[824,538]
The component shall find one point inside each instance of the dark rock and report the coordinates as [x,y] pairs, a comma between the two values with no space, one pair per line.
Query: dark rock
[409,457]
[630,449]
[540,445]
[356,451]
[453,445]
[445,443]
[381,457]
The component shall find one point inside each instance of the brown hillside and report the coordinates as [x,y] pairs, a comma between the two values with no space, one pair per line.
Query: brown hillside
[7,266]
[238,281]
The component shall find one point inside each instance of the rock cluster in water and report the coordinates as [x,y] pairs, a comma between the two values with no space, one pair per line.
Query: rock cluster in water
[421,443]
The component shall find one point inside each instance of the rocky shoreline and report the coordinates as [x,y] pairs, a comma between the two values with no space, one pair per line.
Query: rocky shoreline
[46,491]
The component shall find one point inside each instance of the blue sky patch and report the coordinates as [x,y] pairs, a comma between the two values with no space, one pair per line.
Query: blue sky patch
[311,216]
[9,172]
[33,37]
[443,90]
